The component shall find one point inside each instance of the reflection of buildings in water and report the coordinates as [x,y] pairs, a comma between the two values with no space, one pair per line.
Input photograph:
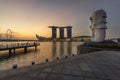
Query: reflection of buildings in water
[69,48]
[54,49]
[64,49]
[61,49]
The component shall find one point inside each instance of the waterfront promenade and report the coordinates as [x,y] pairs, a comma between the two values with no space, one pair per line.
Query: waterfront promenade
[102,65]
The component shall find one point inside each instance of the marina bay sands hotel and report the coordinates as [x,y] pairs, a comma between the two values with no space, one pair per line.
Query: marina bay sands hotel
[61,31]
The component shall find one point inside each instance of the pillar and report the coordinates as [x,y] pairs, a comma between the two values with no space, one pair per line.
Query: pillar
[25,49]
[14,50]
[61,32]
[53,32]
[69,32]
[10,52]
[35,47]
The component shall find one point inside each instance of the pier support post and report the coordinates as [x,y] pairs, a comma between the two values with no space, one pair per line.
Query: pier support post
[35,48]
[10,52]
[14,51]
[25,50]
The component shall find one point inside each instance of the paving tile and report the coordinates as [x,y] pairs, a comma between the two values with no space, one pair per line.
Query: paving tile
[42,76]
[93,79]
[47,70]
[84,67]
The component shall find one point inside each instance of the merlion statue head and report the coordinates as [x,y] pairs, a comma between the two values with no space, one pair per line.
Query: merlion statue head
[98,19]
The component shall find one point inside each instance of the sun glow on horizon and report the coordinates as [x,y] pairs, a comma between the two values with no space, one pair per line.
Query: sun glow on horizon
[30,17]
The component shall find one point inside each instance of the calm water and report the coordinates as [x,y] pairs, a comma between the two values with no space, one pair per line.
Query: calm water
[49,50]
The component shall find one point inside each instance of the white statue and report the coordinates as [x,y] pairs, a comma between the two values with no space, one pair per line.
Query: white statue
[98,25]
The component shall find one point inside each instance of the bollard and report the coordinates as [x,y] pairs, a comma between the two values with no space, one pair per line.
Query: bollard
[33,62]
[14,66]
[73,55]
[66,56]
[57,58]
[46,60]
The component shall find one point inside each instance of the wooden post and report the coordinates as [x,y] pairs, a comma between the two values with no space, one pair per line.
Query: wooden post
[35,48]
[35,44]
[10,52]
[14,50]
[25,50]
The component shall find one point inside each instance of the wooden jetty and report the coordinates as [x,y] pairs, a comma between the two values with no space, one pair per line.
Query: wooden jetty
[18,45]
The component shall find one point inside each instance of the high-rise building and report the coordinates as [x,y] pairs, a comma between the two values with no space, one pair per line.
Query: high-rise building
[61,32]
[69,32]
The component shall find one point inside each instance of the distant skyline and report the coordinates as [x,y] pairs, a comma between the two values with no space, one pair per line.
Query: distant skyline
[30,17]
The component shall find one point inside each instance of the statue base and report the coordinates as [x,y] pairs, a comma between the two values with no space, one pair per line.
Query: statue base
[91,43]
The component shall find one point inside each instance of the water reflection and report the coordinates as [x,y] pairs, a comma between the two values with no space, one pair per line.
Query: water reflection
[61,49]
[50,50]
[54,49]
[69,48]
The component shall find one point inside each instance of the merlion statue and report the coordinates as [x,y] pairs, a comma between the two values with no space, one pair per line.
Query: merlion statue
[98,25]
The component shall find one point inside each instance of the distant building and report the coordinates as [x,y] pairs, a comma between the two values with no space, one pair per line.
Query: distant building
[69,32]
[61,31]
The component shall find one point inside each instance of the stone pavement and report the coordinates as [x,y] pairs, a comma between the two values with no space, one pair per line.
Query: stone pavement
[103,65]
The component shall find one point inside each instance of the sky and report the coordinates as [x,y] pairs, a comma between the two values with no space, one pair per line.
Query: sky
[26,18]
